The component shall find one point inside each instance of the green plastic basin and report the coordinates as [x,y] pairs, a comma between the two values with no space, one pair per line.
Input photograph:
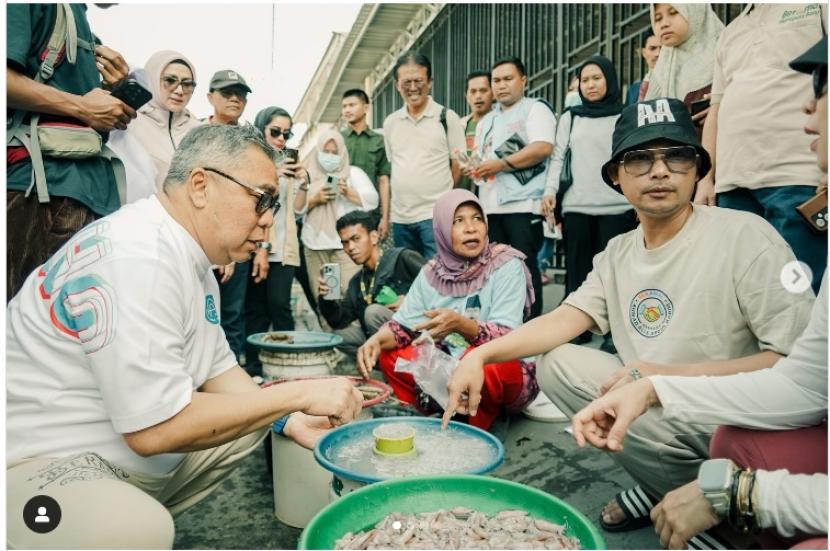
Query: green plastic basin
[362,509]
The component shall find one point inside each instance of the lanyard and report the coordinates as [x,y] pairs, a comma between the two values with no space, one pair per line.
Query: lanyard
[367,294]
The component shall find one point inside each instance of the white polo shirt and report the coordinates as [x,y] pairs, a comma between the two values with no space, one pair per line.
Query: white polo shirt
[419,151]
[112,335]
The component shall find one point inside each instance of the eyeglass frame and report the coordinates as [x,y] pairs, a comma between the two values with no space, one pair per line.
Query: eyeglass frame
[188,85]
[280,132]
[266,198]
[655,158]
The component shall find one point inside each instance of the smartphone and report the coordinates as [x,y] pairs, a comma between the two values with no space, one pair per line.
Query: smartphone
[132,93]
[699,105]
[331,183]
[814,212]
[331,275]
[293,154]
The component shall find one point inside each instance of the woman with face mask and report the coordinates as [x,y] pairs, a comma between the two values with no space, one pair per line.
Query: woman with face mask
[592,213]
[336,188]
[164,120]
[689,35]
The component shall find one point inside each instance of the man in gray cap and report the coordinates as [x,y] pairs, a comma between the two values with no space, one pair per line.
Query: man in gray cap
[228,95]
[694,290]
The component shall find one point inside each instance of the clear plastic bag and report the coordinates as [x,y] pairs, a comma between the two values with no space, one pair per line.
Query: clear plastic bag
[431,367]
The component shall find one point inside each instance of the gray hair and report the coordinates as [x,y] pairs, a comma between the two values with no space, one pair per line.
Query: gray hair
[220,146]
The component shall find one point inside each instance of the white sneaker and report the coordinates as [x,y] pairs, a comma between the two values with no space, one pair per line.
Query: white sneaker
[543,410]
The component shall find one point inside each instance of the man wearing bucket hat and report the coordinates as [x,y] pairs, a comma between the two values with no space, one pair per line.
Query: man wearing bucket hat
[125,404]
[675,304]
[780,451]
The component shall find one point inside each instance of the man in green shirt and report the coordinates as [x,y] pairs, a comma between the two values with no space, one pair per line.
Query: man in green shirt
[366,151]
[479,97]
[80,190]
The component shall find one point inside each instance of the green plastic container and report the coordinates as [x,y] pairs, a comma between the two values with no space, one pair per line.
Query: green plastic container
[362,509]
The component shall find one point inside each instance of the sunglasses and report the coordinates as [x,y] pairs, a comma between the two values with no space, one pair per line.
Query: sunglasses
[678,159]
[265,199]
[820,81]
[228,93]
[277,132]
[171,83]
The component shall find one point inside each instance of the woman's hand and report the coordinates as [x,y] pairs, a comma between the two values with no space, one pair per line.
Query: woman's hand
[705,194]
[623,376]
[548,204]
[441,323]
[465,387]
[322,197]
[349,192]
[683,513]
[367,356]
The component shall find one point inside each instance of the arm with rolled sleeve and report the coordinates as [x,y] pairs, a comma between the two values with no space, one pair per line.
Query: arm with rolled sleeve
[563,131]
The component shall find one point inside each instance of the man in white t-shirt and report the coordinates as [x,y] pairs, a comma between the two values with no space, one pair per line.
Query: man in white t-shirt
[124,402]
[515,140]
[675,303]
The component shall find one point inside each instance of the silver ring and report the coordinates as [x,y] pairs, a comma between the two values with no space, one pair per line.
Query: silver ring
[635,374]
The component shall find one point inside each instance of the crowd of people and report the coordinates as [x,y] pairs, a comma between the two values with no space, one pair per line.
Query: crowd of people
[145,244]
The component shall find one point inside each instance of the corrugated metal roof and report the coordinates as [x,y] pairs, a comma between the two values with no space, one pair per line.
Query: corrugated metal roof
[376,28]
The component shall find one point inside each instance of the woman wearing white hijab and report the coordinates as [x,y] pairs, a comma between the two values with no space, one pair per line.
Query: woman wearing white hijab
[336,188]
[689,36]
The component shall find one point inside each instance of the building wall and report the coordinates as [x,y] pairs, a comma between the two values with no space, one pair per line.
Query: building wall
[551,39]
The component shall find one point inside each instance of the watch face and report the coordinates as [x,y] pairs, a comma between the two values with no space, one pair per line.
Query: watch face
[715,475]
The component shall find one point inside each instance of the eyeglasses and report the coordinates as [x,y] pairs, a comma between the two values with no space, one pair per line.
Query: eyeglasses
[228,93]
[418,83]
[266,200]
[171,83]
[678,159]
[820,81]
[276,132]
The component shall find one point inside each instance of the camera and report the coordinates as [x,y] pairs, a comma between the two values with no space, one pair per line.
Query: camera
[331,275]
[293,154]
[131,92]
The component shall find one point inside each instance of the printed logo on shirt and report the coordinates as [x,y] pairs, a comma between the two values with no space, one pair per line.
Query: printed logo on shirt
[211,314]
[645,114]
[650,312]
[472,309]
[81,306]
[797,14]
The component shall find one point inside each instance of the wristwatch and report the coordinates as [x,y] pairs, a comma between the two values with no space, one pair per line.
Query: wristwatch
[263,245]
[715,481]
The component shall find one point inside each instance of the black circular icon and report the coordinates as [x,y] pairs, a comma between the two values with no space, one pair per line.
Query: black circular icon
[42,514]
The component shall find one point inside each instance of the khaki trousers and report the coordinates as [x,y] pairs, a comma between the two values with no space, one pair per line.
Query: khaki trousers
[659,455]
[106,507]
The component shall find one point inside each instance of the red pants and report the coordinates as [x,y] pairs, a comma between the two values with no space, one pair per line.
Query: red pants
[800,451]
[502,385]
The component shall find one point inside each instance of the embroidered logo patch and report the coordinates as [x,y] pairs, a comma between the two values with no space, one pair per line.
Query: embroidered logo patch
[650,313]
[210,310]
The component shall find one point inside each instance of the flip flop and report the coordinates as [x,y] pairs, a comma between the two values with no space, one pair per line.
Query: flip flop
[636,505]
[707,540]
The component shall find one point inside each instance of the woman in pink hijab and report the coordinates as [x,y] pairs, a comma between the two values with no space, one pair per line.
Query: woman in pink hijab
[473,291]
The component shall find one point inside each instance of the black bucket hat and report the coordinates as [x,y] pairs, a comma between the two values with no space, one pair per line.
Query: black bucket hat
[661,118]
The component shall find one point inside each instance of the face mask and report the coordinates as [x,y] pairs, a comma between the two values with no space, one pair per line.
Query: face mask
[328,161]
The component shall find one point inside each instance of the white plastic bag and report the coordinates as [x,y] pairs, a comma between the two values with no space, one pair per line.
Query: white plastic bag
[431,367]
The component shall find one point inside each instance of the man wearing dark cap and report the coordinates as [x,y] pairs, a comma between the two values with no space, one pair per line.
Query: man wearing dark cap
[781,412]
[228,95]
[694,290]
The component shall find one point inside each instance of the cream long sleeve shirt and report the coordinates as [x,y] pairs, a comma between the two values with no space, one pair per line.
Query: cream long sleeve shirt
[789,395]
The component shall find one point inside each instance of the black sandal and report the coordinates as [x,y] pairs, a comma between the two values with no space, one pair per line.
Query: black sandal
[708,540]
[636,505]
